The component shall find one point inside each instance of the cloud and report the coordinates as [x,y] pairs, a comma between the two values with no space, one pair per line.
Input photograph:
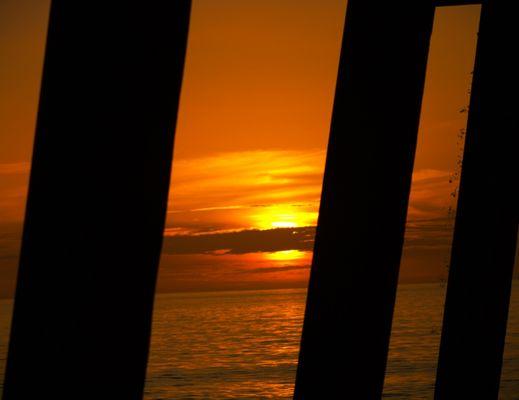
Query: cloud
[13,190]
[285,268]
[205,231]
[10,241]
[15,168]
[241,242]
[431,194]
[431,214]
[225,191]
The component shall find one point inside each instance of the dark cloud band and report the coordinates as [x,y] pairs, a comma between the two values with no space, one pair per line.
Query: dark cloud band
[241,242]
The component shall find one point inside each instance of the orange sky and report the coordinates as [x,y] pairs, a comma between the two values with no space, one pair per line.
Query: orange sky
[251,139]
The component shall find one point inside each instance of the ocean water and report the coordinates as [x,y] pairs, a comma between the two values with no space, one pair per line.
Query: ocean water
[227,345]
[244,345]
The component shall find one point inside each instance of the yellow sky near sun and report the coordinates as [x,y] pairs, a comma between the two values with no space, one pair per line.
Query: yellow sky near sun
[245,190]
[251,136]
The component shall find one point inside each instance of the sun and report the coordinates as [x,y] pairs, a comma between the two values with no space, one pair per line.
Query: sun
[283,216]
[286,255]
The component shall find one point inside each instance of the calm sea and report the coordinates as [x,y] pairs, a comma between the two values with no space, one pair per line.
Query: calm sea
[244,345]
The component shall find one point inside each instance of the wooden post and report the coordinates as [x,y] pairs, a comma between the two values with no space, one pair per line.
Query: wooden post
[485,234]
[364,201]
[97,200]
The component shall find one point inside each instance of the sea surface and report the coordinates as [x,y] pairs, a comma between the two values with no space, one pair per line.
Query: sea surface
[244,345]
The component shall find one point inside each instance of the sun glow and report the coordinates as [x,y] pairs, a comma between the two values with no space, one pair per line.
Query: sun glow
[284,224]
[286,255]
[284,216]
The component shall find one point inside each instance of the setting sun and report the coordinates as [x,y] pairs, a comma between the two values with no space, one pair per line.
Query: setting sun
[285,216]
[286,255]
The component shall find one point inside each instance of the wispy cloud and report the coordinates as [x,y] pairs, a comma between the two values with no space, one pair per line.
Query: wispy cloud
[246,178]
[14,178]
[431,195]
[15,168]
[242,190]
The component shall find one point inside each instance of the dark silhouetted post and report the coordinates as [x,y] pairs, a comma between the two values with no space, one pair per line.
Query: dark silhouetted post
[485,234]
[441,3]
[97,200]
[363,210]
